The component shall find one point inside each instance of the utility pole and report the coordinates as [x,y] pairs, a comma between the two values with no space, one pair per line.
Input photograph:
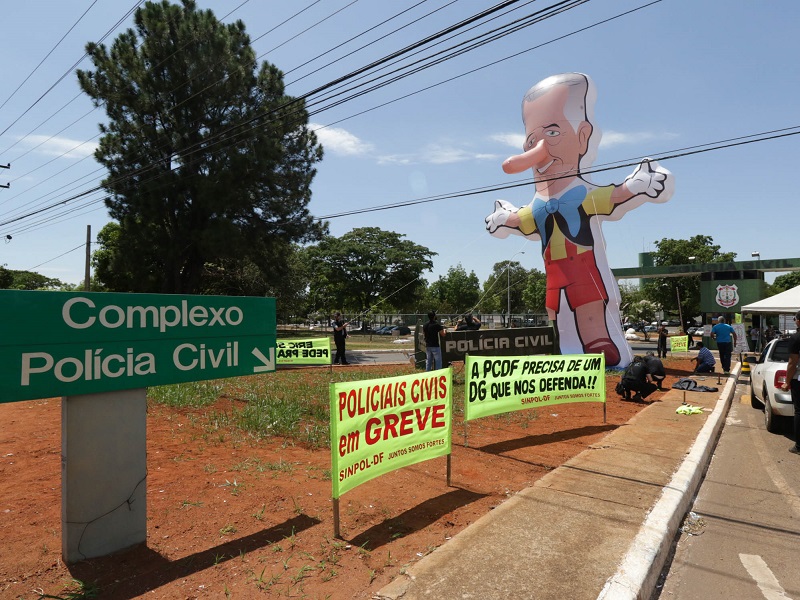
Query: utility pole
[88,256]
[8,166]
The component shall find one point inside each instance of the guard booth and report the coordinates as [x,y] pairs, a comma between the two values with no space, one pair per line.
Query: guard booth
[726,292]
[725,287]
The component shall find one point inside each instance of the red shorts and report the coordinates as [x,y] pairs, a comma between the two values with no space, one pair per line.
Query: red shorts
[577,275]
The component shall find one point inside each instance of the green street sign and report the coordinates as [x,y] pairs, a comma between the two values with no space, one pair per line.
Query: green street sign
[69,343]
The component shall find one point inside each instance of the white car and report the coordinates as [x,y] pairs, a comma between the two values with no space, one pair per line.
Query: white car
[767,375]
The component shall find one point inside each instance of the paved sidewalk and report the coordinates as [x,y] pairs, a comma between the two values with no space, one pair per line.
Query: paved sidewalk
[599,526]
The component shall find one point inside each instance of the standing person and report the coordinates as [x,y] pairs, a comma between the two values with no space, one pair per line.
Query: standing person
[433,331]
[690,340]
[661,347]
[755,337]
[704,361]
[339,336]
[792,382]
[725,337]
[567,211]
[468,323]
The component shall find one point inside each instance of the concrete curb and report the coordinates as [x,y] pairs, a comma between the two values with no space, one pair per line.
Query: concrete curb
[639,570]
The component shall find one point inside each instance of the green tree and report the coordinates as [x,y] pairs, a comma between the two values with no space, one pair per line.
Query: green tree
[28,280]
[785,282]
[508,278]
[365,268]
[6,278]
[630,293]
[664,291]
[455,292]
[109,264]
[208,160]
[535,292]
[644,311]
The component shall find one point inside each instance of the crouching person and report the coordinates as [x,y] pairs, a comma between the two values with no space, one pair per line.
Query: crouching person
[635,379]
[655,369]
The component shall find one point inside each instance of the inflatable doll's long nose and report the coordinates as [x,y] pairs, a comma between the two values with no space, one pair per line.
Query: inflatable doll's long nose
[527,160]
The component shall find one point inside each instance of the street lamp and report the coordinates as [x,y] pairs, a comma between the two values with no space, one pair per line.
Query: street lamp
[508,280]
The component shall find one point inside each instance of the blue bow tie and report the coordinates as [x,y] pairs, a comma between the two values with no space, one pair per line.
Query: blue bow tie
[566,206]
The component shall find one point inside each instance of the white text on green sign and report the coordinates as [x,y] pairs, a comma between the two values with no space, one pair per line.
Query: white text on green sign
[62,343]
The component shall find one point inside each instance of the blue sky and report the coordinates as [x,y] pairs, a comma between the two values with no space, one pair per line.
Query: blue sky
[672,75]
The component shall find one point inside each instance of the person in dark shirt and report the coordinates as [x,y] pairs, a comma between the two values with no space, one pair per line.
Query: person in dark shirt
[339,336]
[663,334]
[704,361]
[433,332]
[655,369]
[468,323]
[635,379]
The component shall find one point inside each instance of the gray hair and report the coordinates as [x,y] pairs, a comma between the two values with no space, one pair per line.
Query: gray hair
[578,105]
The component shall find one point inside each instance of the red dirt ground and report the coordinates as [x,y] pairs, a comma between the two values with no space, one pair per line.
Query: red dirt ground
[233,519]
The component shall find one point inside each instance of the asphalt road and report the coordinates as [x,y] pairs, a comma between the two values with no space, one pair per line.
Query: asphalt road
[742,537]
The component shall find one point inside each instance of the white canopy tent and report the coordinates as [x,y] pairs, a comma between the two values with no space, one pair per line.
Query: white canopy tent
[787,302]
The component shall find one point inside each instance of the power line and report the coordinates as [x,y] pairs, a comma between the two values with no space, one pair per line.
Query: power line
[41,62]
[251,123]
[72,68]
[498,187]
[81,93]
[57,257]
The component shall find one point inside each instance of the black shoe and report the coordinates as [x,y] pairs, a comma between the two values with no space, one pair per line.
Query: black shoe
[637,398]
[794,450]
[345,363]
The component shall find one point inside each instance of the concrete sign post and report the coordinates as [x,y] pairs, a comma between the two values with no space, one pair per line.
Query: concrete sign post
[100,351]
[103,473]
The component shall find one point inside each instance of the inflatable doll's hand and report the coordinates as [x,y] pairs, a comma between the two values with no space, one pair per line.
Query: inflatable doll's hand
[648,179]
[496,222]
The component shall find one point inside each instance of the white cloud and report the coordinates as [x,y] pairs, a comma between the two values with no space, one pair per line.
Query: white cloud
[618,138]
[58,146]
[395,159]
[437,154]
[514,140]
[341,141]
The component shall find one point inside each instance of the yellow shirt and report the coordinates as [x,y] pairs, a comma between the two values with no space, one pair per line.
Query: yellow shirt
[566,218]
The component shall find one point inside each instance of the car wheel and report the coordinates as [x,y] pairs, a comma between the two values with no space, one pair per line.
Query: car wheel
[770,420]
[754,402]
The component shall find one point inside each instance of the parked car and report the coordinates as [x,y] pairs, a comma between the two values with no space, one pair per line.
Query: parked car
[383,330]
[651,329]
[767,376]
[399,329]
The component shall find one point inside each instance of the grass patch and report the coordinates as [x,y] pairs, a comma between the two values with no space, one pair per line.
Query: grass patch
[291,404]
[194,394]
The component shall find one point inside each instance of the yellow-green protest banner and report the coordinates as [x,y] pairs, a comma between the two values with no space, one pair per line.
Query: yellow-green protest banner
[496,385]
[679,343]
[312,351]
[380,425]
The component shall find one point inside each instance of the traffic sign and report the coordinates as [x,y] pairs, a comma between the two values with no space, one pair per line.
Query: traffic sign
[69,343]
